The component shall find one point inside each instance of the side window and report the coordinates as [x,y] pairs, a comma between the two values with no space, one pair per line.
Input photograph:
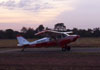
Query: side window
[61,36]
[64,35]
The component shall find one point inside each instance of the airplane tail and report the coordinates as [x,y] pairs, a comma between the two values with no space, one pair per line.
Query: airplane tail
[22,41]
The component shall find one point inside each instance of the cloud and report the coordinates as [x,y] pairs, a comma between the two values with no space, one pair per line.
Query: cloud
[33,5]
[9,4]
[36,11]
[29,5]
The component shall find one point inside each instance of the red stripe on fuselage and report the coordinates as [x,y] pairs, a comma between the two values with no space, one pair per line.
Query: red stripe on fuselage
[46,44]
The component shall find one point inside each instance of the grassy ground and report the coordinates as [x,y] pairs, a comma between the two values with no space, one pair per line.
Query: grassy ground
[87,42]
[82,42]
[6,43]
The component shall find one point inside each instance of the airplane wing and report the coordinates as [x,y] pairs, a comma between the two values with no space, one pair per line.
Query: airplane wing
[49,33]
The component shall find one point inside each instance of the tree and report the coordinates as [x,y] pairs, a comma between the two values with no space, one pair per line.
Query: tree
[2,34]
[30,33]
[24,30]
[96,32]
[48,28]
[75,30]
[40,28]
[60,27]
[9,34]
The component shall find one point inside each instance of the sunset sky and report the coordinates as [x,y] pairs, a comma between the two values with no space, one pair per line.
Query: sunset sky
[15,14]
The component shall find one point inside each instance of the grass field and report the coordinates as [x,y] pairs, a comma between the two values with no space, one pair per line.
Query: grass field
[82,42]
[6,43]
[87,42]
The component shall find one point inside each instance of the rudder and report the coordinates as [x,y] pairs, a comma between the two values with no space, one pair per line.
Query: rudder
[22,41]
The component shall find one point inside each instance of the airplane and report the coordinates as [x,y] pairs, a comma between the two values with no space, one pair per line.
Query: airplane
[51,38]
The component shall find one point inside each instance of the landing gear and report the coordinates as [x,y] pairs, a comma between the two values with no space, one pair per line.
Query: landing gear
[66,48]
[22,50]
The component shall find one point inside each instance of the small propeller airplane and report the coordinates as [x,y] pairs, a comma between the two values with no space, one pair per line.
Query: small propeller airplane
[52,38]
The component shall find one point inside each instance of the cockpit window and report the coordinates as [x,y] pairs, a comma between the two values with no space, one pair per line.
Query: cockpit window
[61,36]
[58,37]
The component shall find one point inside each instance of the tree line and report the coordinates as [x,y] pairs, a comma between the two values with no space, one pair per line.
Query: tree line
[30,32]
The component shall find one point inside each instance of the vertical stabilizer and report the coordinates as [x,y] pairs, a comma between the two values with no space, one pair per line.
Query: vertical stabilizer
[22,41]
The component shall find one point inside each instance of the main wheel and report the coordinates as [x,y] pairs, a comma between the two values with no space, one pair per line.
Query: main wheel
[22,50]
[64,49]
[68,48]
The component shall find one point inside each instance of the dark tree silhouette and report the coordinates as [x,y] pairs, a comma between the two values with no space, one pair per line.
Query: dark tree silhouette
[60,27]
[40,28]
[9,33]
[2,34]
[48,28]
[24,30]
[96,32]
[30,32]
[75,30]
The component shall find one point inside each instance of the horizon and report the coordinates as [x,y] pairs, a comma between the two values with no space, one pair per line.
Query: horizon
[50,28]
[15,14]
